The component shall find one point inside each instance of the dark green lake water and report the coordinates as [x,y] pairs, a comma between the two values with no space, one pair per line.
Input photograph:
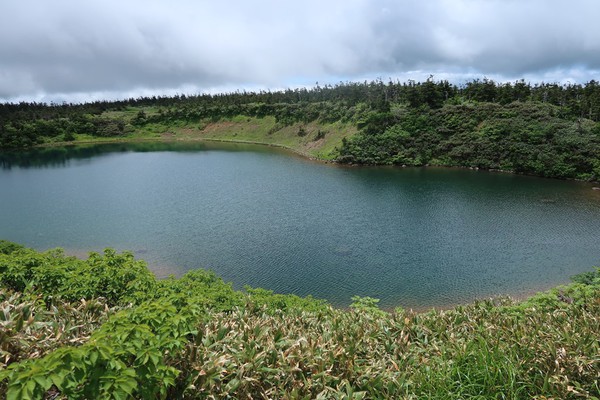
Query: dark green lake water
[258,216]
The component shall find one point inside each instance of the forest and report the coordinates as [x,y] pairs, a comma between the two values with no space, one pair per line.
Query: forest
[105,327]
[543,129]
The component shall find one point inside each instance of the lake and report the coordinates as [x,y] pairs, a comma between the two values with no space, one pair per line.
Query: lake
[412,237]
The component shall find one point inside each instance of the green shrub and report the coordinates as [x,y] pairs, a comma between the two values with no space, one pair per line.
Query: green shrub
[9,247]
[127,357]
[588,278]
[117,277]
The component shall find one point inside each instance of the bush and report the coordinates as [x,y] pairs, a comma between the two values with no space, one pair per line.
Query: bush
[119,278]
[9,247]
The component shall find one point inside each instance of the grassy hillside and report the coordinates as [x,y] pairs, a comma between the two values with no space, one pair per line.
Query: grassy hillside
[313,139]
[106,328]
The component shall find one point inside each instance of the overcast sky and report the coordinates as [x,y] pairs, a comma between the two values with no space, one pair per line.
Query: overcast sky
[83,50]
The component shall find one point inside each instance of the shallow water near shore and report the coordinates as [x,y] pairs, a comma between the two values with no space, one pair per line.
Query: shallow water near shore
[415,237]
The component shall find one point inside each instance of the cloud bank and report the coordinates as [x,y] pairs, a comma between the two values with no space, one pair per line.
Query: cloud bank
[83,50]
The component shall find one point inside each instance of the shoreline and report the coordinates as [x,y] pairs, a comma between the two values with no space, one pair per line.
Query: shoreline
[164,272]
[166,140]
[290,149]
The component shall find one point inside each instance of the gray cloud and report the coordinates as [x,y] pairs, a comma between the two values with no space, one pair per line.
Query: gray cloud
[78,50]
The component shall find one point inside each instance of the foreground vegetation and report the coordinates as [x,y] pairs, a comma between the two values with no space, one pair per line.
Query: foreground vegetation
[106,328]
[544,129]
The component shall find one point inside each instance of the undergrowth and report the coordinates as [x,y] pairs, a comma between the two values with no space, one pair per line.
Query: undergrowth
[106,328]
